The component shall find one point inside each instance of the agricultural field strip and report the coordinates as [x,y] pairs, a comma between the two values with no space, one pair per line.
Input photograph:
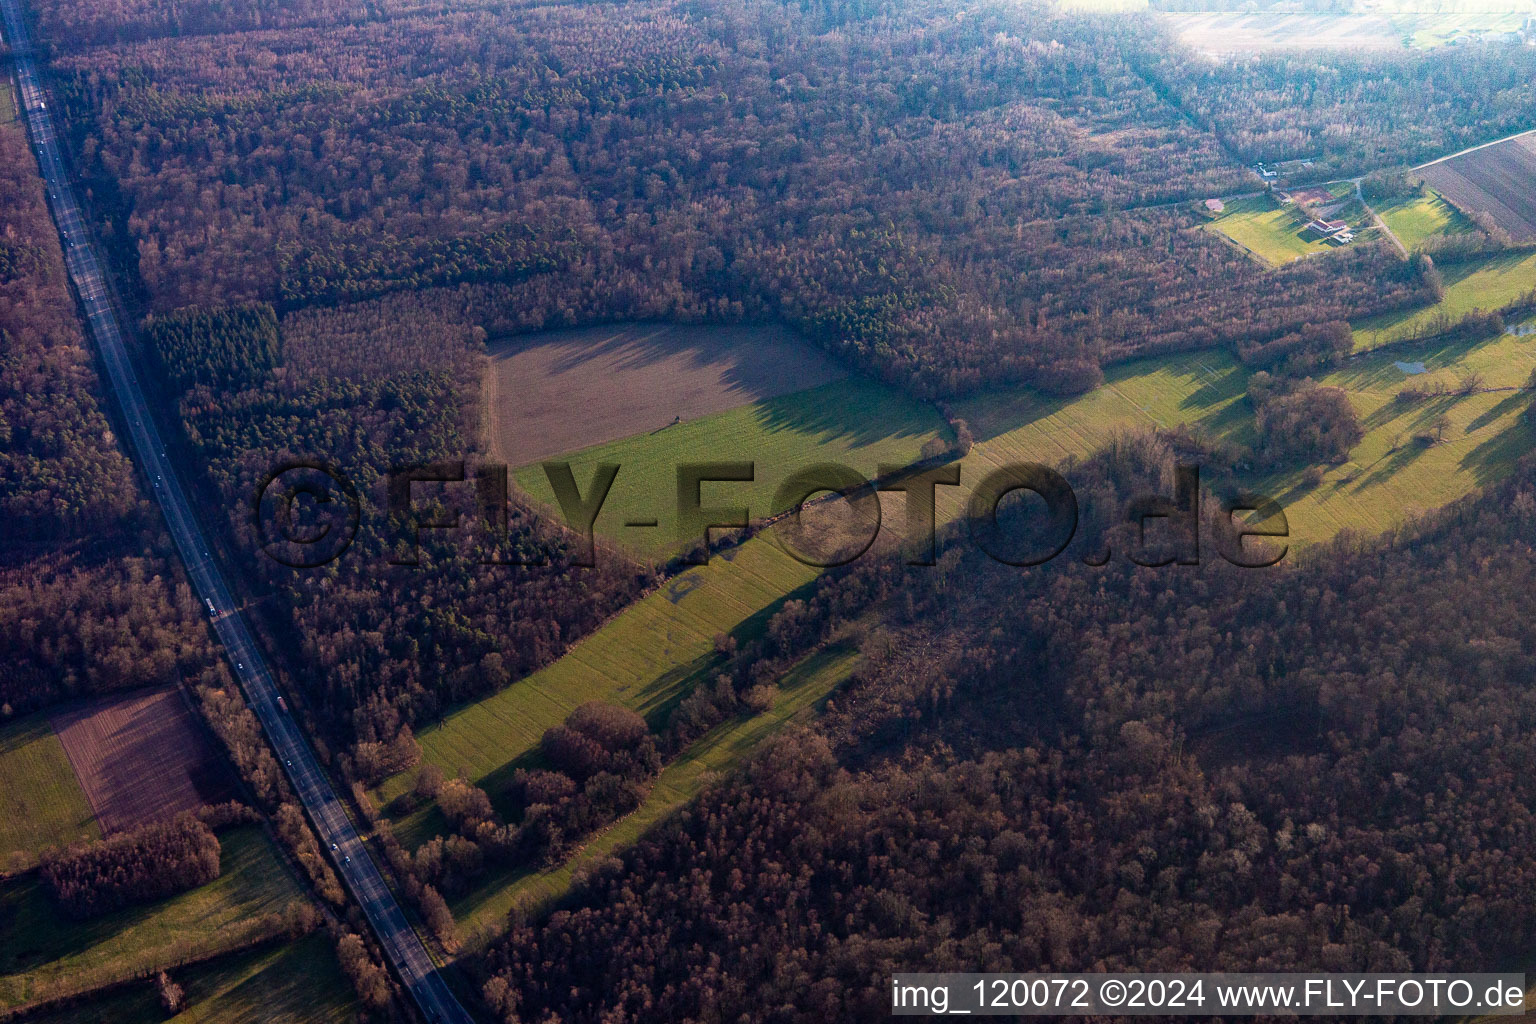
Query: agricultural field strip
[1489,284]
[630,654]
[140,757]
[297,983]
[1499,180]
[41,802]
[1427,478]
[684,778]
[45,956]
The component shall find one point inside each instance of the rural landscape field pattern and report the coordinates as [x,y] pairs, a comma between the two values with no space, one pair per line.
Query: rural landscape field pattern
[1438,378]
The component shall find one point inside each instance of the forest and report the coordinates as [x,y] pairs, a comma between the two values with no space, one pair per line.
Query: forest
[380,646]
[320,211]
[950,203]
[88,603]
[1351,112]
[1033,772]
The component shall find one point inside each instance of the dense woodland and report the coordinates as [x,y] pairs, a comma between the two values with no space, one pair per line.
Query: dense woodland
[61,471]
[142,866]
[1035,772]
[88,603]
[1352,112]
[950,202]
[381,645]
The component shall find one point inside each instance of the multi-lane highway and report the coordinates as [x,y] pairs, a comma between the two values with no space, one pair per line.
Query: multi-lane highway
[352,859]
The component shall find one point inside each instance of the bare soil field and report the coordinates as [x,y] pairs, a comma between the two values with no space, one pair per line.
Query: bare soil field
[141,757]
[560,391]
[1315,194]
[1236,32]
[1498,180]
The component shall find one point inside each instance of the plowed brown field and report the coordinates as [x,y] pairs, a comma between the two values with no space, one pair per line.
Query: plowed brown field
[141,757]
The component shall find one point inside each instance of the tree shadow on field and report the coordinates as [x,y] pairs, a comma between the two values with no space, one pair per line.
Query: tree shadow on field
[1212,393]
[1505,405]
[1390,465]
[657,699]
[497,782]
[1494,458]
[757,360]
[837,412]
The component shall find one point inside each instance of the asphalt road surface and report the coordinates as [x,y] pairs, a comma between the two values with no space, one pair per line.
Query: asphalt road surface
[351,858]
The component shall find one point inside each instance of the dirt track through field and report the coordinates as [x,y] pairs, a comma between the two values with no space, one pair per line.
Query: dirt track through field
[1499,180]
[140,758]
[557,392]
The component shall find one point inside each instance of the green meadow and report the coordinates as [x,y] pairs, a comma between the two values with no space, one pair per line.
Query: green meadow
[41,803]
[647,658]
[1487,284]
[45,955]
[713,754]
[1390,478]
[1392,475]
[857,423]
[294,984]
[1415,221]
[7,103]
[1276,234]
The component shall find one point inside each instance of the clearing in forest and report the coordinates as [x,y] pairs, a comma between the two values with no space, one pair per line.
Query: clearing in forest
[854,422]
[562,391]
[1276,233]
